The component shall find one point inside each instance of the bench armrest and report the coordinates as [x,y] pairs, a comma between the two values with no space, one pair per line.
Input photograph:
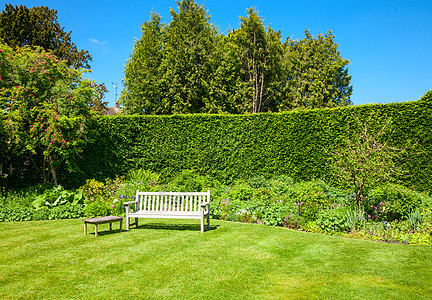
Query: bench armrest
[130,202]
[205,204]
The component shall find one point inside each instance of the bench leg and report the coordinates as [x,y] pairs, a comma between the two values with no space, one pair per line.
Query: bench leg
[110,226]
[85,228]
[127,223]
[208,221]
[202,221]
[136,222]
[121,221]
[96,228]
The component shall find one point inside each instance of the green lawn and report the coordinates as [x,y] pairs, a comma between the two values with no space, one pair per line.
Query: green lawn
[171,259]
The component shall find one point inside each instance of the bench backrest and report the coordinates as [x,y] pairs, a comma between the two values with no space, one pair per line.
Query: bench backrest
[172,201]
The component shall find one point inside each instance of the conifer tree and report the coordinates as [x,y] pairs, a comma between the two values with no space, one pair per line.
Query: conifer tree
[143,92]
[187,63]
[317,75]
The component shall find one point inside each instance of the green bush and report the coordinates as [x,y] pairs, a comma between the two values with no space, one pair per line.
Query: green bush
[15,213]
[397,202]
[67,211]
[310,199]
[190,181]
[333,220]
[97,208]
[57,196]
[143,175]
[95,190]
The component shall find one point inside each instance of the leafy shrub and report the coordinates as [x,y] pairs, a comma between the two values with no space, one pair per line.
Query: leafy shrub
[355,218]
[129,188]
[94,190]
[399,201]
[57,196]
[310,199]
[293,220]
[15,213]
[66,211]
[143,175]
[97,208]
[273,214]
[190,181]
[333,220]
[42,214]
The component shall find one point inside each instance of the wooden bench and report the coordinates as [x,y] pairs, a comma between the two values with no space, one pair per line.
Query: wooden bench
[170,205]
[102,220]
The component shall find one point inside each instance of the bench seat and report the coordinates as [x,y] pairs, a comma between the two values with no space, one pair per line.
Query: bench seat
[169,205]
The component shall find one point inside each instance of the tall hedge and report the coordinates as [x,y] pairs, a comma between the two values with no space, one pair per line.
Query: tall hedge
[240,146]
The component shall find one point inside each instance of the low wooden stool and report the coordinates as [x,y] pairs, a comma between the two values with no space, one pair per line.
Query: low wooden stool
[102,220]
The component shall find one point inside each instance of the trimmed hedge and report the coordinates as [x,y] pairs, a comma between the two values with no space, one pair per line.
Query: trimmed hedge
[228,147]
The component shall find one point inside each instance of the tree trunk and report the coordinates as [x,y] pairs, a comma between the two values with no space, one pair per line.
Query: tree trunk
[53,172]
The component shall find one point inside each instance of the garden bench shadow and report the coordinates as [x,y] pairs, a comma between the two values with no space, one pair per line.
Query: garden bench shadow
[165,226]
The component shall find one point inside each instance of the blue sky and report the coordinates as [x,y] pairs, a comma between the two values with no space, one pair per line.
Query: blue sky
[389,43]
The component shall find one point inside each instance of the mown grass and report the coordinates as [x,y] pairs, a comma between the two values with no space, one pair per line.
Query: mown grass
[171,259]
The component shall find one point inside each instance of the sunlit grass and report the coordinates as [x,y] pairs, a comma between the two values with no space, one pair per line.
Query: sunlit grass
[171,259]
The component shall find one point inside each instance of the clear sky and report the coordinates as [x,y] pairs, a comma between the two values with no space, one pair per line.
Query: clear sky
[389,43]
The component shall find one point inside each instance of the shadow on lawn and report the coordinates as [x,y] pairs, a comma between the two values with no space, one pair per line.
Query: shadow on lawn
[164,226]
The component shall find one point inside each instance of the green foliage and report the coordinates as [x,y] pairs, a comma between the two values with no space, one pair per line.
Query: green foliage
[94,190]
[399,201]
[171,66]
[317,73]
[15,213]
[253,62]
[365,157]
[38,26]
[229,147]
[333,220]
[40,96]
[310,199]
[143,175]
[187,66]
[142,89]
[427,97]
[355,218]
[58,196]
[189,181]
[415,218]
[97,208]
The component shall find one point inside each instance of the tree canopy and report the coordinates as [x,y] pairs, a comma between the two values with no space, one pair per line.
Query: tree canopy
[38,26]
[39,97]
[317,75]
[188,66]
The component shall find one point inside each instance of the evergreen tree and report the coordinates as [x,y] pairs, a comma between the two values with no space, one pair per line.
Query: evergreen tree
[317,75]
[143,92]
[254,59]
[187,66]
[38,26]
